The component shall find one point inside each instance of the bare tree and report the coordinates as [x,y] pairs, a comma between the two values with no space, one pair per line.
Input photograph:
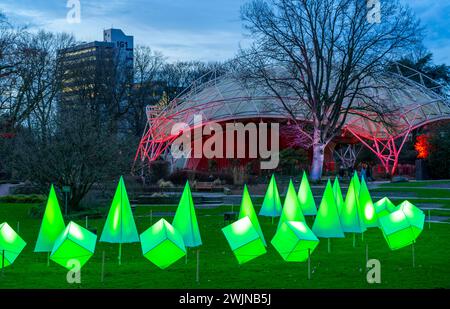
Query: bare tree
[148,86]
[328,55]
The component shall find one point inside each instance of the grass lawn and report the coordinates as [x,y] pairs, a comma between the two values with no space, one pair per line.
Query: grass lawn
[413,184]
[342,268]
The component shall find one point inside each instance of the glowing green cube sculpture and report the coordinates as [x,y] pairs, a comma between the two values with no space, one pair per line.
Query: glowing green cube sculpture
[185,220]
[120,226]
[366,207]
[293,240]
[327,223]
[306,198]
[162,244]
[11,244]
[75,243]
[338,195]
[244,240]
[384,207]
[247,210]
[351,218]
[52,224]
[402,227]
[291,209]
[271,206]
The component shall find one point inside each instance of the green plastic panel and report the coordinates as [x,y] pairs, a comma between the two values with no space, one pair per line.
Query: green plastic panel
[52,224]
[75,243]
[162,244]
[10,243]
[271,206]
[120,226]
[327,223]
[185,220]
[306,198]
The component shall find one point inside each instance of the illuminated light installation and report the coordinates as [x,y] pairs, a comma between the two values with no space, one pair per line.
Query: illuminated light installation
[120,227]
[244,240]
[271,206]
[11,245]
[294,241]
[366,207]
[223,97]
[162,244]
[351,218]
[422,146]
[338,195]
[306,198]
[247,210]
[291,209]
[402,227]
[384,207]
[356,183]
[52,224]
[327,223]
[74,244]
[185,220]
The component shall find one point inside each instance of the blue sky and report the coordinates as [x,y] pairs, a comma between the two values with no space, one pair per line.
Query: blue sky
[188,29]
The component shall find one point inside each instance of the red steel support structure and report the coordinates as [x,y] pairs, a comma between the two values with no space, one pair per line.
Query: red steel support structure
[418,100]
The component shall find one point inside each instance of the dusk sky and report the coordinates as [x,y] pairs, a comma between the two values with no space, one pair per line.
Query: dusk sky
[187,29]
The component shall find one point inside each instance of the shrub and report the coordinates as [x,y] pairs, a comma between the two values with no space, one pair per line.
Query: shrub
[23,199]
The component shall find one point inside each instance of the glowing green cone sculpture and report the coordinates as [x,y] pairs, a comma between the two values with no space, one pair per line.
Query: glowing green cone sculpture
[338,195]
[293,239]
[120,226]
[247,210]
[351,220]
[271,206]
[11,244]
[162,244]
[402,227]
[366,207]
[306,198]
[356,183]
[291,209]
[327,223]
[185,220]
[52,224]
[384,207]
[75,243]
[244,240]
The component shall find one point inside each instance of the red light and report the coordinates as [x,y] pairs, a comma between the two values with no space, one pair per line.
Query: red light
[422,146]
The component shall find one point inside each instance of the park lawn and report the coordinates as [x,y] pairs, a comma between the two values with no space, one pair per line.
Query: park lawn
[419,192]
[344,267]
[413,184]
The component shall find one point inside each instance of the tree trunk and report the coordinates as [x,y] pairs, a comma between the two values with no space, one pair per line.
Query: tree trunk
[318,157]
